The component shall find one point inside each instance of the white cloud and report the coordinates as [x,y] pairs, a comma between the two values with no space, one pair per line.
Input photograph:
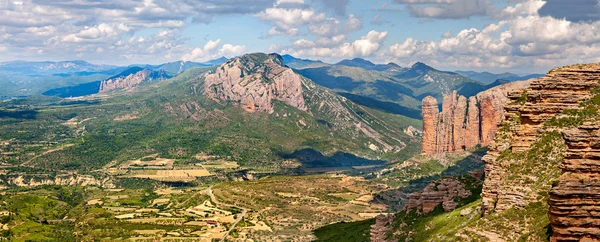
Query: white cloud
[32,29]
[211,51]
[366,46]
[521,39]
[230,50]
[288,21]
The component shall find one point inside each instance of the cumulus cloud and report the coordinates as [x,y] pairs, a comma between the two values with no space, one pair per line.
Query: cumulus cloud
[366,46]
[448,9]
[288,21]
[574,11]
[522,39]
[102,30]
[209,51]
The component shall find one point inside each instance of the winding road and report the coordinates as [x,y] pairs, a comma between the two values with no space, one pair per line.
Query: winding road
[244,211]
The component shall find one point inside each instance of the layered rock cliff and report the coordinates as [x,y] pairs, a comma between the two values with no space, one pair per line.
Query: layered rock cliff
[464,123]
[575,201]
[523,159]
[131,78]
[255,81]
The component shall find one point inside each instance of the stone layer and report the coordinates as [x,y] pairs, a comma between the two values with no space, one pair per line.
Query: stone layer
[525,114]
[575,201]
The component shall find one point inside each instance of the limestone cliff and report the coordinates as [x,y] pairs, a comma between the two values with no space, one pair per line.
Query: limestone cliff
[255,81]
[464,123]
[131,78]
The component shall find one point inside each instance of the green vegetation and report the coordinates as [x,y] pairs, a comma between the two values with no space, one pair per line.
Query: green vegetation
[345,231]
[588,111]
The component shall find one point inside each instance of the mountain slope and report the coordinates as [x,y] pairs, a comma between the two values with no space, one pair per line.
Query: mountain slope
[365,64]
[297,63]
[488,78]
[392,91]
[175,119]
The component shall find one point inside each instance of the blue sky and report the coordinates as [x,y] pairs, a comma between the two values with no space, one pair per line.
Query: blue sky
[522,36]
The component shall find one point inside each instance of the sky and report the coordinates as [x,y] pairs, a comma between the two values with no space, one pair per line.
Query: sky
[520,36]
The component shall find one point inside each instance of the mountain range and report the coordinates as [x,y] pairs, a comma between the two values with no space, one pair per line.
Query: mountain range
[387,87]
[487,77]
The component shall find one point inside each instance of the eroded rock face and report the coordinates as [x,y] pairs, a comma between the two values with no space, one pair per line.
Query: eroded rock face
[464,123]
[575,201]
[525,115]
[130,80]
[442,191]
[63,180]
[381,227]
[255,81]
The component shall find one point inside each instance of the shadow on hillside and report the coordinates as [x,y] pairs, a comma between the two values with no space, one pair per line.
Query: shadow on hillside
[313,160]
[83,89]
[24,114]
[395,197]
[320,76]
[388,107]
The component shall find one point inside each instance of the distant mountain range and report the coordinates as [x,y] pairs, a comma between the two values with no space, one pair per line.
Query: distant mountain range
[73,78]
[358,62]
[51,67]
[297,63]
[390,87]
[487,77]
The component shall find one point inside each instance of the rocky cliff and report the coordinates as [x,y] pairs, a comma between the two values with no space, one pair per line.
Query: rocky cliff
[445,191]
[131,78]
[464,123]
[255,81]
[524,135]
[575,201]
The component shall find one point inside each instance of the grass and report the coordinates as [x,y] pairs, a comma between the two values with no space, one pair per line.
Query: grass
[358,231]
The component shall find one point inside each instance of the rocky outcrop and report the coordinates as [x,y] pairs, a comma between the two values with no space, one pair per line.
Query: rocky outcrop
[464,123]
[442,191]
[522,160]
[255,81]
[575,201]
[131,78]
[381,227]
[63,180]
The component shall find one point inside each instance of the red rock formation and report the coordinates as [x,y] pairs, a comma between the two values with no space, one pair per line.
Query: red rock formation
[430,117]
[464,124]
[442,191]
[528,110]
[575,201]
[254,81]
[381,227]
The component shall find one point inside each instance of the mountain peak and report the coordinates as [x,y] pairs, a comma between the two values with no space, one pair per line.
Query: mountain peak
[260,58]
[254,81]
[421,66]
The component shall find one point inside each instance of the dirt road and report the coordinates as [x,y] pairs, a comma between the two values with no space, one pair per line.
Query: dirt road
[244,211]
